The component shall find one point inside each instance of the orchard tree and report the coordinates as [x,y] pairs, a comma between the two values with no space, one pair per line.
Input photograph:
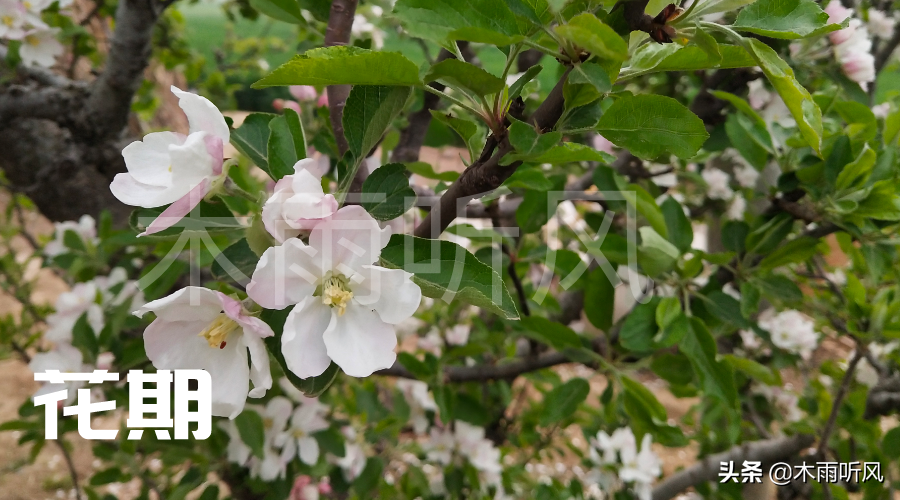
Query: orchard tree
[696,201]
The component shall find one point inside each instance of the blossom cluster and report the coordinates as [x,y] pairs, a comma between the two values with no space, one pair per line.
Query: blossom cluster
[21,21]
[852,45]
[619,452]
[344,307]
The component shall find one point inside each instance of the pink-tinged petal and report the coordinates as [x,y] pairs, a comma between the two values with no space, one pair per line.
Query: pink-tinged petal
[391,292]
[360,342]
[301,344]
[303,92]
[259,364]
[233,309]
[323,99]
[285,275]
[315,167]
[349,240]
[196,159]
[202,115]
[179,209]
[274,221]
[136,194]
[293,105]
[148,160]
[216,150]
[192,303]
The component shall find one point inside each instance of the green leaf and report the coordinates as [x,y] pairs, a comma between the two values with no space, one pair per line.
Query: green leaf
[753,370]
[462,75]
[206,217]
[668,309]
[857,170]
[536,11]
[790,19]
[750,138]
[641,394]
[556,335]
[312,386]
[591,34]
[780,287]
[282,10]
[425,170]
[740,104]
[388,188]
[726,308]
[890,445]
[768,236]
[236,262]
[418,368]
[529,178]
[593,74]
[798,100]
[674,368]
[369,477]
[716,378]
[252,431]
[797,250]
[654,58]
[640,327]
[368,113]
[599,299]
[680,232]
[442,21]
[466,129]
[563,401]
[655,254]
[528,142]
[651,125]
[447,271]
[287,144]
[708,44]
[647,207]
[340,65]
[579,94]
[516,88]
[252,138]
[841,154]
[570,152]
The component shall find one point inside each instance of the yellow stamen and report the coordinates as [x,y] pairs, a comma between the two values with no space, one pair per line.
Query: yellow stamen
[336,293]
[298,433]
[7,20]
[217,332]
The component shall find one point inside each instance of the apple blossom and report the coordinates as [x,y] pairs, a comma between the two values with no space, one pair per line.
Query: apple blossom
[303,92]
[66,359]
[717,183]
[737,208]
[307,419]
[791,331]
[419,400]
[852,45]
[881,24]
[170,168]
[458,334]
[354,460]
[198,328]
[299,202]
[40,47]
[745,174]
[12,19]
[70,306]
[346,307]
[85,228]
[641,468]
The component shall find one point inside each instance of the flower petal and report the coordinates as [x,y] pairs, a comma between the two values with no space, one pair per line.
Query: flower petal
[349,239]
[360,342]
[195,160]
[309,450]
[202,114]
[259,364]
[230,373]
[391,292]
[176,211]
[148,160]
[302,343]
[136,194]
[285,275]
[192,303]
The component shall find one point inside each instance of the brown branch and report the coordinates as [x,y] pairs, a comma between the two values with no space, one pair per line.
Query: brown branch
[70,465]
[505,371]
[484,176]
[768,452]
[839,400]
[886,50]
[884,398]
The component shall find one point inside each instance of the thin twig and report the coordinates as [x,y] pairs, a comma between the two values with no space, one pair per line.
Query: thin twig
[839,399]
[72,472]
[517,282]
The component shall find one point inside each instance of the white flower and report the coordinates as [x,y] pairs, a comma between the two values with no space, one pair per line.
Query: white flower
[198,328]
[12,20]
[419,400]
[354,460]
[303,92]
[880,24]
[85,228]
[440,445]
[731,291]
[362,26]
[746,175]
[758,96]
[791,331]
[70,306]
[750,339]
[603,144]
[784,400]
[852,45]
[641,467]
[881,110]
[64,358]
[299,202]
[737,208]
[40,47]
[170,168]
[717,182]
[238,451]
[458,334]
[307,419]
[346,307]
[116,288]
[273,464]
[622,440]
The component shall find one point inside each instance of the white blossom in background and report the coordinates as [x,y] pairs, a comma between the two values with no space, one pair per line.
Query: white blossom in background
[866,373]
[66,359]
[299,202]
[346,307]
[85,228]
[852,45]
[198,328]
[792,331]
[758,95]
[303,92]
[881,110]
[603,144]
[275,417]
[717,184]
[750,340]
[638,466]
[783,399]
[115,289]
[70,306]
[12,19]
[40,47]
[308,418]
[168,168]
[419,400]
[480,451]
[362,26]
[431,342]
[439,446]
[745,174]
[458,334]
[354,460]
[736,208]
[881,24]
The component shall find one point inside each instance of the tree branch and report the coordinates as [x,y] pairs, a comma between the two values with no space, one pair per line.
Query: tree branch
[884,398]
[484,176]
[768,452]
